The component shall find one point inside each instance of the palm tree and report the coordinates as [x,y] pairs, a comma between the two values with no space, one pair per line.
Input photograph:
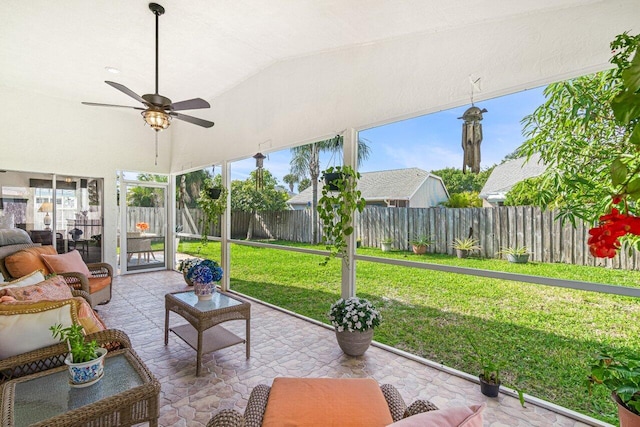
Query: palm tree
[306,163]
[290,179]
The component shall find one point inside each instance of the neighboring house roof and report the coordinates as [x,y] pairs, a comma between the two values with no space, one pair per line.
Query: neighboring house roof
[397,184]
[505,176]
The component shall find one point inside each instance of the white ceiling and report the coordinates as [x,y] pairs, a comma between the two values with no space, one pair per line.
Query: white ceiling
[276,72]
[207,47]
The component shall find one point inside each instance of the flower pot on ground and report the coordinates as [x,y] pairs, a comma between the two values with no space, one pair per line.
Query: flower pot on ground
[354,320]
[619,371]
[517,254]
[490,388]
[336,209]
[85,359]
[386,245]
[420,243]
[464,247]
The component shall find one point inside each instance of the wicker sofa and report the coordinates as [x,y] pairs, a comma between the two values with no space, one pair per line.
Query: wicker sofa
[254,413]
[98,286]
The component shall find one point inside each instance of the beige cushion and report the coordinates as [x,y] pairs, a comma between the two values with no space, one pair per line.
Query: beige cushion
[28,280]
[25,326]
[450,417]
[70,262]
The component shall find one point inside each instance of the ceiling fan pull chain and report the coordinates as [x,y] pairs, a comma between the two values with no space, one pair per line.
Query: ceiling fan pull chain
[157,148]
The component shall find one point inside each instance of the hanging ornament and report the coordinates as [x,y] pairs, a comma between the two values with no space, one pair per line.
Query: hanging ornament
[472,134]
[259,170]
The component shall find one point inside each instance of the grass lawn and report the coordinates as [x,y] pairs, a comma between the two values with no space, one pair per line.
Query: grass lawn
[543,336]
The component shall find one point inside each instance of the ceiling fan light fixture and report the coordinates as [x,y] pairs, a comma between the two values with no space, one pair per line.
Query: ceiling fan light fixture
[158,120]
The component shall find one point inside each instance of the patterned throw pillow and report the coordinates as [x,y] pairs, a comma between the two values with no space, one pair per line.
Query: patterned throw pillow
[53,289]
[28,280]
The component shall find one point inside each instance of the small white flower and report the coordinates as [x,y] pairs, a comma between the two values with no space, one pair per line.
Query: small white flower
[358,325]
[340,328]
[354,317]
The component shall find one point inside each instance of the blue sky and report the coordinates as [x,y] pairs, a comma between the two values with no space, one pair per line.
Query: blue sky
[429,142]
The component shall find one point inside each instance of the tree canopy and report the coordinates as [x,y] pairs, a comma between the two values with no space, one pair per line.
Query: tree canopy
[458,182]
[246,197]
[578,138]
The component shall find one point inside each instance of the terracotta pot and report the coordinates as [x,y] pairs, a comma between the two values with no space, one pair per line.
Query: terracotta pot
[354,343]
[489,389]
[419,249]
[626,417]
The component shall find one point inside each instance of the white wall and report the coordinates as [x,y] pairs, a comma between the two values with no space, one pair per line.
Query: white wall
[43,134]
[310,98]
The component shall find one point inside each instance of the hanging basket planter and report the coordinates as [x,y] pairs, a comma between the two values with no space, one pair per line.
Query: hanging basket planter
[214,193]
[331,178]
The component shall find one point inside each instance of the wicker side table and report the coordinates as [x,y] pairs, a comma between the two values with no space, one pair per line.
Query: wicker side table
[203,332]
[128,394]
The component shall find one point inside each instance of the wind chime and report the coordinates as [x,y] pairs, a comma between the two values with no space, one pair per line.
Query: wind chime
[472,133]
[259,170]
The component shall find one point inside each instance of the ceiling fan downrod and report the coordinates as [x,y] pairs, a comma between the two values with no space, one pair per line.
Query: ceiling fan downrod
[157,11]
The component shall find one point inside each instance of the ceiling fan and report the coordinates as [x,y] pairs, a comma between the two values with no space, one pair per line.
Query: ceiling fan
[159,109]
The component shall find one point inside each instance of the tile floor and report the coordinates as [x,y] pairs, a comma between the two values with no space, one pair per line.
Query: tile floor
[281,345]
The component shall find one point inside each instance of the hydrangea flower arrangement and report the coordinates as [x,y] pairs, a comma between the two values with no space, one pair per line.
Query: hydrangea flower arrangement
[354,314]
[198,270]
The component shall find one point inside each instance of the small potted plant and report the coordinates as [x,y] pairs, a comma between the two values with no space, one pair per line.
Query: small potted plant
[465,246]
[354,319]
[420,243]
[386,244]
[336,208]
[85,359]
[620,373]
[517,254]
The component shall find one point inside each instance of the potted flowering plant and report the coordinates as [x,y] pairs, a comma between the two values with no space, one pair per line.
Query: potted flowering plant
[201,274]
[85,360]
[620,373]
[354,319]
[211,206]
[142,226]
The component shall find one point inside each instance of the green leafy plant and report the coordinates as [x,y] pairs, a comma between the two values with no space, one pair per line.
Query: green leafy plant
[354,315]
[619,372]
[514,250]
[212,208]
[387,240]
[467,244]
[421,240]
[81,350]
[336,209]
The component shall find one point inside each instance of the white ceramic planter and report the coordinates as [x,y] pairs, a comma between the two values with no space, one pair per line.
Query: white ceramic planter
[86,373]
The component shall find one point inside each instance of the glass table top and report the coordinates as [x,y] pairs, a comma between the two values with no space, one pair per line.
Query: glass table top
[217,301]
[51,395]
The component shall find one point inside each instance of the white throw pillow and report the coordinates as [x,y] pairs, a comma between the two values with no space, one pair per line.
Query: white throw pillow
[28,280]
[25,326]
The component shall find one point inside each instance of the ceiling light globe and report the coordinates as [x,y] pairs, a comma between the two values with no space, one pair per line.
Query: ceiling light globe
[158,120]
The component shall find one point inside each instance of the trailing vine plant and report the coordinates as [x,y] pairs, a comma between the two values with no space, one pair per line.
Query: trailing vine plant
[336,209]
[212,208]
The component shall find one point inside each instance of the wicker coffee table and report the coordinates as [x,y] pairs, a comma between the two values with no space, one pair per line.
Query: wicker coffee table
[127,394]
[203,332]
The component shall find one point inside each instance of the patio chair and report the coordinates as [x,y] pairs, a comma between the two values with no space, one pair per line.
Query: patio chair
[259,399]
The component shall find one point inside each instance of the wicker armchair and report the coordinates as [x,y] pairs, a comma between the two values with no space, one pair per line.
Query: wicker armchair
[99,271]
[257,405]
[54,355]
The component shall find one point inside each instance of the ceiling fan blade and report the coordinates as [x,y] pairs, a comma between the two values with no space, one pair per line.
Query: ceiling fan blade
[124,89]
[190,104]
[193,120]
[95,104]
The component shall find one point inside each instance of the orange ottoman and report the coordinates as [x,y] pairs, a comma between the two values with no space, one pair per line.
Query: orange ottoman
[324,402]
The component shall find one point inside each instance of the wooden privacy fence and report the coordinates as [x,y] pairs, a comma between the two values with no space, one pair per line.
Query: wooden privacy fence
[495,228]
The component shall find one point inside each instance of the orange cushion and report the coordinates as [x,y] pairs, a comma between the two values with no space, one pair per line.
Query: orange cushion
[323,402]
[98,283]
[28,260]
[71,262]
